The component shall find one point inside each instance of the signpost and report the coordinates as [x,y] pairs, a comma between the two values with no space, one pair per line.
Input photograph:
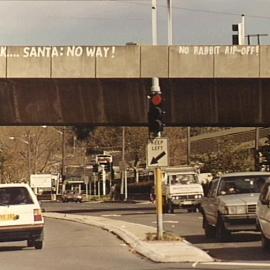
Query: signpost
[157,156]
[157,152]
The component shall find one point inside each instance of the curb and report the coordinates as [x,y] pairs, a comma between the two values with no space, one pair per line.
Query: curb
[149,250]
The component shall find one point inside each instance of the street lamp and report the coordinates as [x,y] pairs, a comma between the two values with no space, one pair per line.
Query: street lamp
[28,152]
[63,150]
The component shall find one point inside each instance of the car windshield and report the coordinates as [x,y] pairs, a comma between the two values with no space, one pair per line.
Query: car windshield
[183,179]
[241,184]
[14,196]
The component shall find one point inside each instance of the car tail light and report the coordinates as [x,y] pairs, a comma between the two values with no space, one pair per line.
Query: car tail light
[37,215]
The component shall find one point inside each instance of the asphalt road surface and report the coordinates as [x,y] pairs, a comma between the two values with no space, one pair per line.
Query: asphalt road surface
[69,246]
[240,247]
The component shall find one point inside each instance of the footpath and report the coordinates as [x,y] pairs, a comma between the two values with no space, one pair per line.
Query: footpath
[135,235]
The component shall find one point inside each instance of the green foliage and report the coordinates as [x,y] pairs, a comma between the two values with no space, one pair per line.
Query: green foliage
[228,158]
[83,132]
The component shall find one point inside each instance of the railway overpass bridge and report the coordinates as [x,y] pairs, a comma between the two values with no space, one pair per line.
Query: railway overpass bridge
[108,85]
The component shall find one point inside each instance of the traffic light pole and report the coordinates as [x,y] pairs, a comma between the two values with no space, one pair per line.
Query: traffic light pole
[155,89]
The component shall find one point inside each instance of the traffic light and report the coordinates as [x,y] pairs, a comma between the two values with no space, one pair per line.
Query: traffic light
[155,114]
[236,37]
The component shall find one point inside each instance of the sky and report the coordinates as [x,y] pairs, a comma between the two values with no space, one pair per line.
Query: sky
[116,22]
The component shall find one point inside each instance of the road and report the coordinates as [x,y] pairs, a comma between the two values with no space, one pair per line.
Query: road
[70,246]
[241,247]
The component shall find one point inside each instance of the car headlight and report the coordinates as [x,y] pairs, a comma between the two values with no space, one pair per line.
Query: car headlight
[198,196]
[236,210]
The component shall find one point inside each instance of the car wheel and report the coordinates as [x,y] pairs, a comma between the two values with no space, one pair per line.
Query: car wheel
[38,244]
[170,208]
[265,242]
[209,230]
[221,233]
[30,243]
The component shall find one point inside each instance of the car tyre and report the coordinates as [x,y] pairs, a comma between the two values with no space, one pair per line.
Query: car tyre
[30,243]
[265,242]
[221,233]
[170,208]
[209,230]
[38,244]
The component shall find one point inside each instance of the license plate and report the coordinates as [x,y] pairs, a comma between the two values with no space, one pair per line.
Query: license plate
[7,217]
[187,202]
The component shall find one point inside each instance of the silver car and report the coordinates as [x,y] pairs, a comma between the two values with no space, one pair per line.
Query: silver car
[263,215]
[230,205]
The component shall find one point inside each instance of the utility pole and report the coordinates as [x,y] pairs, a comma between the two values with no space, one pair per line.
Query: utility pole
[155,90]
[257,130]
[63,171]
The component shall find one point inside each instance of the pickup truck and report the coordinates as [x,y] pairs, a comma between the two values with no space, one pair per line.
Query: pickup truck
[181,189]
[230,205]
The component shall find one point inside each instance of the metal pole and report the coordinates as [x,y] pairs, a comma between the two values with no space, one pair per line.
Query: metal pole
[123,163]
[188,145]
[155,81]
[158,176]
[63,152]
[170,25]
[126,185]
[103,180]
[29,160]
[95,186]
[257,137]
[98,183]
[156,89]
[243,30]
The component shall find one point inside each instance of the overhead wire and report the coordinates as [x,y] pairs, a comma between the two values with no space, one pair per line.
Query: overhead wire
[148,2]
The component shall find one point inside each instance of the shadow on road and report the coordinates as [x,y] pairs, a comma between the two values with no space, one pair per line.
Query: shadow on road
[235,237]
[240,247]
[96,210]
[11,248]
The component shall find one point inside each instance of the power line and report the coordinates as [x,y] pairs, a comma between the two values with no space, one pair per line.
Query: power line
[147,2]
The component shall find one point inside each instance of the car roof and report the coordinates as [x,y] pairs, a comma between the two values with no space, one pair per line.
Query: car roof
[14,185]
[254,173]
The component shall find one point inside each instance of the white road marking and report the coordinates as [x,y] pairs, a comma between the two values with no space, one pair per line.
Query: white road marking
[237,264]
[111,215]
[168,221]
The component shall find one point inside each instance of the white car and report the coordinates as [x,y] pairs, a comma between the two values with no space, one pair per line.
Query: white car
[20,215]
[263,214]
[230,205]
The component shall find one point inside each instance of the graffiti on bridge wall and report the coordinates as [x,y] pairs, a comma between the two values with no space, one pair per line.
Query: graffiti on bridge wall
[69,51]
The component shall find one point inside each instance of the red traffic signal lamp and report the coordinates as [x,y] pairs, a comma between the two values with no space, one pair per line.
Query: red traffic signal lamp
[155,114]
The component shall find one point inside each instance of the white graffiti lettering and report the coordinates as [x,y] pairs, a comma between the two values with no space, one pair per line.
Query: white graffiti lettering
[70,51]
[206,50]
[75,51]
[36,51]
[216,50]
[183,50]
[3,51]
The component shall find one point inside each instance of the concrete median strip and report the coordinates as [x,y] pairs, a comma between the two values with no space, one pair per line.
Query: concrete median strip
[135,234]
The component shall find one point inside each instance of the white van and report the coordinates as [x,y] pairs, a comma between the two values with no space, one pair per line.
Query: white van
[20,215]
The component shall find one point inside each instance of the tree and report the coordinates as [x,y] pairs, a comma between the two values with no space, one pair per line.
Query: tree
[83,132]
[228,158]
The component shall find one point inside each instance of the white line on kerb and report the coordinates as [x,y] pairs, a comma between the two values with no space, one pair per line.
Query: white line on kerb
[235,263]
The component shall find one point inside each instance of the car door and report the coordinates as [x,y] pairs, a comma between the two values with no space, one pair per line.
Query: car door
[263,210]
[211,206]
